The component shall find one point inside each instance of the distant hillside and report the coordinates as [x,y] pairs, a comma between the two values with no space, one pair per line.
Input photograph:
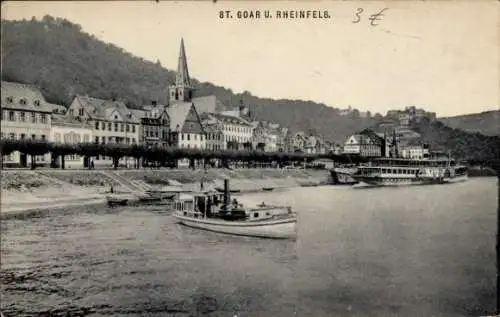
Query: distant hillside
[487,123]
[57,56]
[463,145]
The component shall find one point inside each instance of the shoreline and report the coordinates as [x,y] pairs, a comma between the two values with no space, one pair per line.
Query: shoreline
[25,191]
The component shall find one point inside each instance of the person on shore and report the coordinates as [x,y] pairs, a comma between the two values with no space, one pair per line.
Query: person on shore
[111,190]
[202,187]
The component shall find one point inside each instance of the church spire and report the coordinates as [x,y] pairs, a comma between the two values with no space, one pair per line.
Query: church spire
[181,90]
[182,76]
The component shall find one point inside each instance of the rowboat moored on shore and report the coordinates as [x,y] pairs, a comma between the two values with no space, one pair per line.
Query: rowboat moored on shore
[116,201]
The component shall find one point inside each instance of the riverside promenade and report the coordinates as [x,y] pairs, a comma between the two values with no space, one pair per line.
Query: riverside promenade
[25,190]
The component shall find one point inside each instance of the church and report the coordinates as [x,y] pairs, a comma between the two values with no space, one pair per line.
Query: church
[185,124]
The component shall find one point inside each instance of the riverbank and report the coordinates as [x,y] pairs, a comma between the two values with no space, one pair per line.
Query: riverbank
[25,190]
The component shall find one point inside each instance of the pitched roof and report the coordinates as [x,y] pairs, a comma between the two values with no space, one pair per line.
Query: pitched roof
[233,113]
[138,113]
[178,113]
[66,121]
[57,108]
[208,104]
[184,116]
[365,139]
[230,119]
[13,93]
[99,109]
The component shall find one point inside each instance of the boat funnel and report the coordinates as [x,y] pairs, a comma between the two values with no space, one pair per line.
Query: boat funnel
[226,192]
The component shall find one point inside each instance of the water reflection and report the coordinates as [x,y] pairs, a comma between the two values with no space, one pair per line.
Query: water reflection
[401,252]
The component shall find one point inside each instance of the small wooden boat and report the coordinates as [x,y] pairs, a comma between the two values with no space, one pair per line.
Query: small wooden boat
[309,185]
[116,201]
[268,189]
[213,211]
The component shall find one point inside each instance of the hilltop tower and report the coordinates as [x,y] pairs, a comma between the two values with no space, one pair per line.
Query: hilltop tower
[181,90]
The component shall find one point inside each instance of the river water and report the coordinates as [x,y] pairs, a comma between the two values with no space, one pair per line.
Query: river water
[409,251]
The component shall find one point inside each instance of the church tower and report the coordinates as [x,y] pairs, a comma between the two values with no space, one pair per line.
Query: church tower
[181,91]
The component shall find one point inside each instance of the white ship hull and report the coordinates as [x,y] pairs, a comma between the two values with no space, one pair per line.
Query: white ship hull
[272,228]
[377,181]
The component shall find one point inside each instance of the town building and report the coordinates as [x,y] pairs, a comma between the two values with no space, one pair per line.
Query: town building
[268,137]
[414,152]
[298,142]
[214,135]
[155,125]
[315,145]
[111,121]
[25,114]
[186,130]
[68,130]
[283,134]
[366,143]
[236,133]
[410,115]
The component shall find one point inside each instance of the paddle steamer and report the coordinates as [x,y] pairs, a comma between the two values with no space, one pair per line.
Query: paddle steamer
[401,172]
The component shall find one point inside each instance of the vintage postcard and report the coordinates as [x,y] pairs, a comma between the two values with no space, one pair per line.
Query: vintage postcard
[250,158]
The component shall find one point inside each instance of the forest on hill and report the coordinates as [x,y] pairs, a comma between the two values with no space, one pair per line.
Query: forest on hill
[487,122]
[56,55]
[462,144]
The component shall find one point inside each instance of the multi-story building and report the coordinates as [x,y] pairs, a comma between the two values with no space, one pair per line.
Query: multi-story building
[365,143]
[266,137]
[111,121]
[214,135]
[155,125]
[25,114]
[298,142]
[68,130]
[315,145]
[414,151]
[283,134]
[185,126]
[236,132]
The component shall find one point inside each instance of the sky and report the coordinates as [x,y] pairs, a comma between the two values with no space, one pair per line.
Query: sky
[441,56]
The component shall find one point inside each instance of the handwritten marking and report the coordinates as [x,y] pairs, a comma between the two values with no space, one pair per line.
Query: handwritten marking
[375,17]
[358,15]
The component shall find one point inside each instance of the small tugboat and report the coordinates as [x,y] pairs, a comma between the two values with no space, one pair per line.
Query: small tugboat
[213,211]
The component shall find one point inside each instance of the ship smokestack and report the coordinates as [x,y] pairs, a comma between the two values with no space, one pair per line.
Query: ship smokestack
[226,192]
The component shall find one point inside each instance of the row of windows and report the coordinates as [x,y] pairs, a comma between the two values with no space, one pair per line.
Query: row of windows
[188,136]
[22,136]
[399,171]
[237,129]
[210,147]
[22,101]
[24,116]
[122,127]
[71,138]
[152,134]
[114,139]
[213,136]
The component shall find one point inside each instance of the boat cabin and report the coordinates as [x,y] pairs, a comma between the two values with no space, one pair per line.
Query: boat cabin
[213,205]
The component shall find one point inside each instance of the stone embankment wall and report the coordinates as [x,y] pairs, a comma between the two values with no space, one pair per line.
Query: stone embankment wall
[98,181]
